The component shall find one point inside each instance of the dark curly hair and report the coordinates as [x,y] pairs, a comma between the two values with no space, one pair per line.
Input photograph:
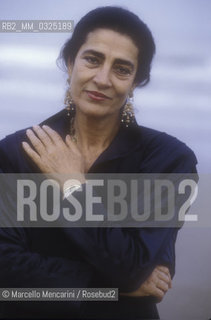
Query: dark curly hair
[119,20]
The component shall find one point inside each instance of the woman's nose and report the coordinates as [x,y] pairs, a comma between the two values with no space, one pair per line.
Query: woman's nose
[102,77]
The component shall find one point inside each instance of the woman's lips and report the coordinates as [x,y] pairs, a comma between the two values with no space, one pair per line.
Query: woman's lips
[97,96]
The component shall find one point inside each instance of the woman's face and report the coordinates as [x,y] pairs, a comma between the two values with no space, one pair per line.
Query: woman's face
[103,73]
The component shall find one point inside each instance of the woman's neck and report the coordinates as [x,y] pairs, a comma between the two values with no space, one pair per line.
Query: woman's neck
[95,133]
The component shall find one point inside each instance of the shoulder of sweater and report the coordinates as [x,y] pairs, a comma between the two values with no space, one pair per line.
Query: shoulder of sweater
[154,140]
[160,152]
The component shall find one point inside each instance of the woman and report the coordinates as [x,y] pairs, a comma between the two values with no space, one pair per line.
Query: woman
[108,56]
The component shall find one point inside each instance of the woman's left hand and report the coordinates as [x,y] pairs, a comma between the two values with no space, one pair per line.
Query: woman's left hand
[53,155]
[157,284]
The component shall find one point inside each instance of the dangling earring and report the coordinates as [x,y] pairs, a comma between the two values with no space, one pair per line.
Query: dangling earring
[70,107]
[68,101]
[128,116]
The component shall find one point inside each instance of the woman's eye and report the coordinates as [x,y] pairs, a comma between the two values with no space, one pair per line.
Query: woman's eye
[123,70]
[91,60]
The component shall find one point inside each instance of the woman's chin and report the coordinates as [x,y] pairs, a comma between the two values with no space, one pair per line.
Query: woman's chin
[96,112]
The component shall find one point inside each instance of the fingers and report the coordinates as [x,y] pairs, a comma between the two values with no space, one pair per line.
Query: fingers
[164,274]
[163,282]
[164,277]
[55,137]
[35,141]
[51,154]
[31,153]
[45,136]
[157,284]
[162,285]
[44,139]
[163,269]
[43,145]
[42,135]
[159,294]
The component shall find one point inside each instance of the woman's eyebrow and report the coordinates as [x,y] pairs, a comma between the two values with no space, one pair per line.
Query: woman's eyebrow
[95,53]
[102,56]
